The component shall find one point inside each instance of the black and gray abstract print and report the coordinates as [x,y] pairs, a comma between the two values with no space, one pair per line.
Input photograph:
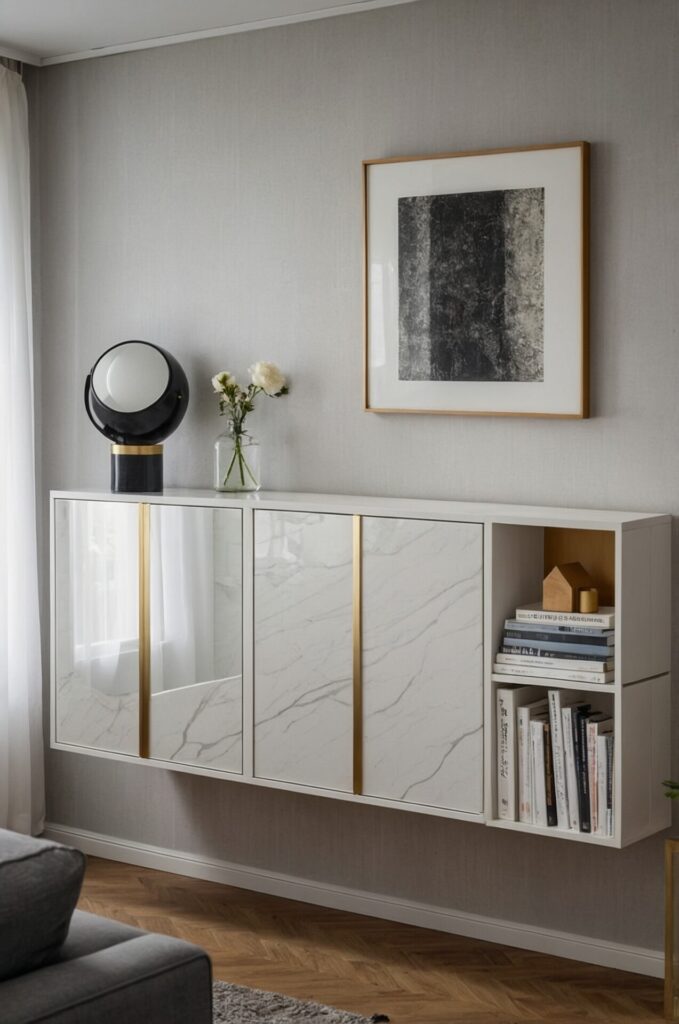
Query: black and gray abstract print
[471,286]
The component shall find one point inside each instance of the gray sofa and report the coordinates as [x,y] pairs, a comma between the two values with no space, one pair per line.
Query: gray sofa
[58,966]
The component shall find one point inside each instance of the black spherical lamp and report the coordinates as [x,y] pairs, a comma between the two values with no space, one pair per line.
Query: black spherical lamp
[136,395]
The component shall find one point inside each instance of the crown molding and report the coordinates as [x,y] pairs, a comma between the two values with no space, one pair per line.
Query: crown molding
[16,53]
[352,7]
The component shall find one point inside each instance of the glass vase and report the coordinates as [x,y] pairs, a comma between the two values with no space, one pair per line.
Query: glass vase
[236,462]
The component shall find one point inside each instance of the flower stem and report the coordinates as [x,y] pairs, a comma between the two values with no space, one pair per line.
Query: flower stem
[255,482]
[228,472]
[240,462]
[243,466]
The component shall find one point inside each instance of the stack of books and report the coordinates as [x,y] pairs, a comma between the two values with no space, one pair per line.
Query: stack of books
[574,646]
[555,764]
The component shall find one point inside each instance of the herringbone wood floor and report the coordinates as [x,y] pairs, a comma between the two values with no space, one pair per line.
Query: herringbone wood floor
[363,964]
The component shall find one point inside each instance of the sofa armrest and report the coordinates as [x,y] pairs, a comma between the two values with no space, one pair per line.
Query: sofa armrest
[149,979]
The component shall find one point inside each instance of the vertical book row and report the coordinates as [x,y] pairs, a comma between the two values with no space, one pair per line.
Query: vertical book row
[555,765]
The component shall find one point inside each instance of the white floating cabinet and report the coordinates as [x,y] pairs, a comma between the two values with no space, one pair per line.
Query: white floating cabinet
[341,646]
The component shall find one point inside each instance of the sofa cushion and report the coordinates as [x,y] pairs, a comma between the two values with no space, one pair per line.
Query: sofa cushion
[39,887]
[148,979]
[88,933]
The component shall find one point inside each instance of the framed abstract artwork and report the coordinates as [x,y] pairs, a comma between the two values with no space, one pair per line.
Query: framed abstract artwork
[476,282]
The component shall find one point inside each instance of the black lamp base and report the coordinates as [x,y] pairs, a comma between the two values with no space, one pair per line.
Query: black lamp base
[136,468]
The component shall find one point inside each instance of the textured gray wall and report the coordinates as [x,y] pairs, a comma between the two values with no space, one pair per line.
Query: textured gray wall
[207,197]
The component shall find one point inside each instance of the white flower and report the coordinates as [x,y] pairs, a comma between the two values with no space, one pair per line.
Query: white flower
[268,377]
[221,379]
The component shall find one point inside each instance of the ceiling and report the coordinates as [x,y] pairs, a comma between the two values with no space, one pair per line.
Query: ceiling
[53,31]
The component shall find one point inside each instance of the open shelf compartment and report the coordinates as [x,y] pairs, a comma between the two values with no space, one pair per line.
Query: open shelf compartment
[630,568]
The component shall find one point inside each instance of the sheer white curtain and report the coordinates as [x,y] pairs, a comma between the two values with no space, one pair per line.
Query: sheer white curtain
[21,765]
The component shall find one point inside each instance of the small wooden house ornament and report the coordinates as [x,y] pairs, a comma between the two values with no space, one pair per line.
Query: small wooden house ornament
[561,587]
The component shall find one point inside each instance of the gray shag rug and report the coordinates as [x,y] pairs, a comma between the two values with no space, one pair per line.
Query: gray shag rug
[234,1004]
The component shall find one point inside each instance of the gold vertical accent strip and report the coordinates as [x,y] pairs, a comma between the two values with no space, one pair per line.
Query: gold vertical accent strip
[144,628]
[358,653]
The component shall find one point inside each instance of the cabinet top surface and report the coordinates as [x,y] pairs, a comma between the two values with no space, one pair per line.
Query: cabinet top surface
[463,511]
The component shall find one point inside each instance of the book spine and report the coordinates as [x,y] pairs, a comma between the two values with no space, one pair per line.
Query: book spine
[571,775]
[505,768]
[554,627]
[538,646]
[554,697]
[580,744]
[592,775]
[550,793]
[524,759]
[610,746]
[553,673]
[547,636]
[575,662]
[603,621]
[538,772]
[601,787]
[533,784]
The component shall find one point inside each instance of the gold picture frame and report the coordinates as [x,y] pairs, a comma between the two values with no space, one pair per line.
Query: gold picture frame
[565,347]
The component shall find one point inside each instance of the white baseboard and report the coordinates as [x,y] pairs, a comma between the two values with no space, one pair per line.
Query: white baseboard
[355,901]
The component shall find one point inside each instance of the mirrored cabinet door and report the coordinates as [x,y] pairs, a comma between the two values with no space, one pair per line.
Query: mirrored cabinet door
[96,621]
[195,619]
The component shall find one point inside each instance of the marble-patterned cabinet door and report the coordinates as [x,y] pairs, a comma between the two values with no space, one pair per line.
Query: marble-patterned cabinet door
[195,598]
[303,648]
[96,628]
[422,662]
